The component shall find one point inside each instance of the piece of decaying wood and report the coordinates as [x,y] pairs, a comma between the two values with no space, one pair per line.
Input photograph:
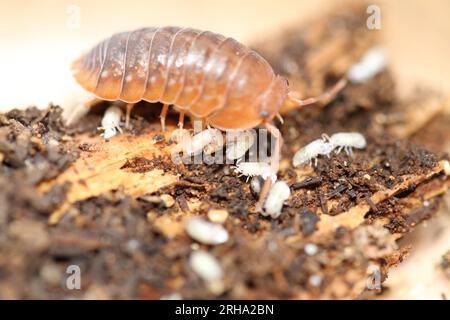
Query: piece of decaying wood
[355,216]
[98,169]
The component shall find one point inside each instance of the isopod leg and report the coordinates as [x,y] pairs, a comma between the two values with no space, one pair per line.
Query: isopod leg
[263,194]
[163,115]
[129,107]
[274,164]
[275,158]
[292,103]
[280,118]
[74,114]
[349,151]
[181,120]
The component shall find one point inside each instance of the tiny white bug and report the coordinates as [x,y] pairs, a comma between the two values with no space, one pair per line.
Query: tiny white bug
[315,280]
[206,266]
[251,169]
[278,194]
[346,141]
[183,138]
[238,144]
[202,139]
[111,122]
[180,135]
[373,62]
[312,151]
[206,232]
[311,249]
[216,143]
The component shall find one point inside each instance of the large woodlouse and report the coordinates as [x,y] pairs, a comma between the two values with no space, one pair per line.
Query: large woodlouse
[203,74]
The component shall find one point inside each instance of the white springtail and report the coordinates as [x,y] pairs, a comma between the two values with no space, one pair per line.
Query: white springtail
[311,151]
[346,141]
[252,169]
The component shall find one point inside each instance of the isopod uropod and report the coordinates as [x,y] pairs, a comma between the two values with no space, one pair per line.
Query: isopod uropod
[201,73]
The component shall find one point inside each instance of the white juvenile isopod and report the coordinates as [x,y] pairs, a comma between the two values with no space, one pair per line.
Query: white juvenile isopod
[346,141]
[278,194]
[202,139]
[180,135]
[252,169]
[373,62]
[111,122]
[238,144]
[311,151]
[216,143]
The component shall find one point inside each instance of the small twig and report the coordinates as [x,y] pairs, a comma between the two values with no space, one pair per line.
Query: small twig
[309,182]
[336,191]
[372,205]
[187,184]
[182,202]
[323,203]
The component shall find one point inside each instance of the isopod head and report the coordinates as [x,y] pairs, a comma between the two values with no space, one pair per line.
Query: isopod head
[273,99]
[350,139]
[359,141]
[266,107]
[300,157]
[109,133]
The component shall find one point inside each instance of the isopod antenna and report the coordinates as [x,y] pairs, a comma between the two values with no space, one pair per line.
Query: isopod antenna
[292,103]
